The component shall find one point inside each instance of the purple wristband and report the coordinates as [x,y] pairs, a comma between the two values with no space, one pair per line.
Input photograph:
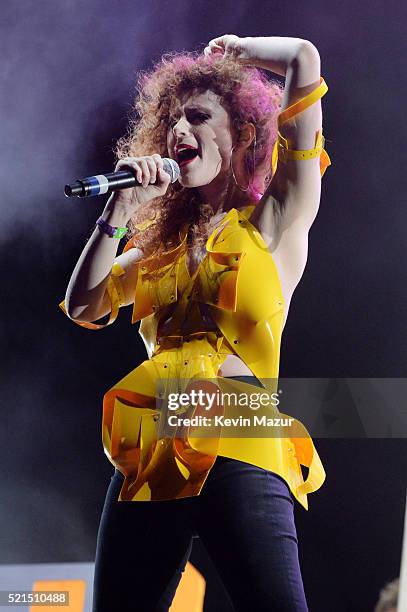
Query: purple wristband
[111,230]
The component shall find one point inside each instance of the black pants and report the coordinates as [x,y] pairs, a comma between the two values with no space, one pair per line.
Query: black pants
[243,516]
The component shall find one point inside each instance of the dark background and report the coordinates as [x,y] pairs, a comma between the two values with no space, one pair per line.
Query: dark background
[68,72]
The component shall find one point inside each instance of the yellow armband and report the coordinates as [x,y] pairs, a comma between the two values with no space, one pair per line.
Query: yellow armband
[281,149]
[116,295]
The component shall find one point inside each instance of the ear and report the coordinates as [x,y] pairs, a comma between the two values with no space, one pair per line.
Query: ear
[246,136]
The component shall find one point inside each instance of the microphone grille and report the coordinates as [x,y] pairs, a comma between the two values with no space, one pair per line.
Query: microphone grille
[172,168]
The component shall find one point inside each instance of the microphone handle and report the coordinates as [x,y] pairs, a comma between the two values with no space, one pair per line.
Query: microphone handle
[100,184]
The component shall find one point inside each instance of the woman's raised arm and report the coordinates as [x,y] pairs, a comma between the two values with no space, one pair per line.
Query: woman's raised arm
[296,183]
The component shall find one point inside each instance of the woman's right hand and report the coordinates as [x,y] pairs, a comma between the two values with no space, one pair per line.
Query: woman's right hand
[154,182]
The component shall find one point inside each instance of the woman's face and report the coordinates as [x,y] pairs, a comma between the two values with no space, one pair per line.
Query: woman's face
[199,138]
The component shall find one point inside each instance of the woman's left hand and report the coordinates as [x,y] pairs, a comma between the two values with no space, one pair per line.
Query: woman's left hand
[229,44]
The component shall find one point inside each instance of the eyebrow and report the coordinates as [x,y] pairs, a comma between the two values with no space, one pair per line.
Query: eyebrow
[198,107]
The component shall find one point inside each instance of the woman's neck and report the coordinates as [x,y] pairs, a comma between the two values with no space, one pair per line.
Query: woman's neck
[222,197]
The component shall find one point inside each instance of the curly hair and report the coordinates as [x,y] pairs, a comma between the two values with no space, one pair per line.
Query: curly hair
[388,597]
[245,93]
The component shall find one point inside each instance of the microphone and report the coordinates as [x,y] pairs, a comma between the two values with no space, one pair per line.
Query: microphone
[123,179]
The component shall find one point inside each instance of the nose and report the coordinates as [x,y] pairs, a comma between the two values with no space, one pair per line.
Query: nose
[181,127]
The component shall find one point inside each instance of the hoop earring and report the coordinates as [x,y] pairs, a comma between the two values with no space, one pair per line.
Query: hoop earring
[251,179]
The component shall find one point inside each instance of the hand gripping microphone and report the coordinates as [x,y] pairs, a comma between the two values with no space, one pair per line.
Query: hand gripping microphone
[123,179]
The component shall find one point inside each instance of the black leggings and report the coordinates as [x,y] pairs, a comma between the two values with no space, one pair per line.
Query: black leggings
[245,519]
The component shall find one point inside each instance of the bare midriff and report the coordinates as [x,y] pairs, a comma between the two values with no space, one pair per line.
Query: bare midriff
[234,366]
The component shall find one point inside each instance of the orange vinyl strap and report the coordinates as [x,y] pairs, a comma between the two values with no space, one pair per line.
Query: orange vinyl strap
[116,294]
[281,149]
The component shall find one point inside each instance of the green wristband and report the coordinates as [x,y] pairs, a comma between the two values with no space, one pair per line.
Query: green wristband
[110,230]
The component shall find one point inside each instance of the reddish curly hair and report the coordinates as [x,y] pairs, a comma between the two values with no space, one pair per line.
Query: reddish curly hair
[246,93]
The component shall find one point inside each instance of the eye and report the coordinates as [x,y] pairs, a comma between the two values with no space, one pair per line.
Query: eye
[199,117]
[196,116]
[193,117]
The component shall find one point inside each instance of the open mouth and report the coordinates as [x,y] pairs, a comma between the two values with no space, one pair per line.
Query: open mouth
[186,156]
